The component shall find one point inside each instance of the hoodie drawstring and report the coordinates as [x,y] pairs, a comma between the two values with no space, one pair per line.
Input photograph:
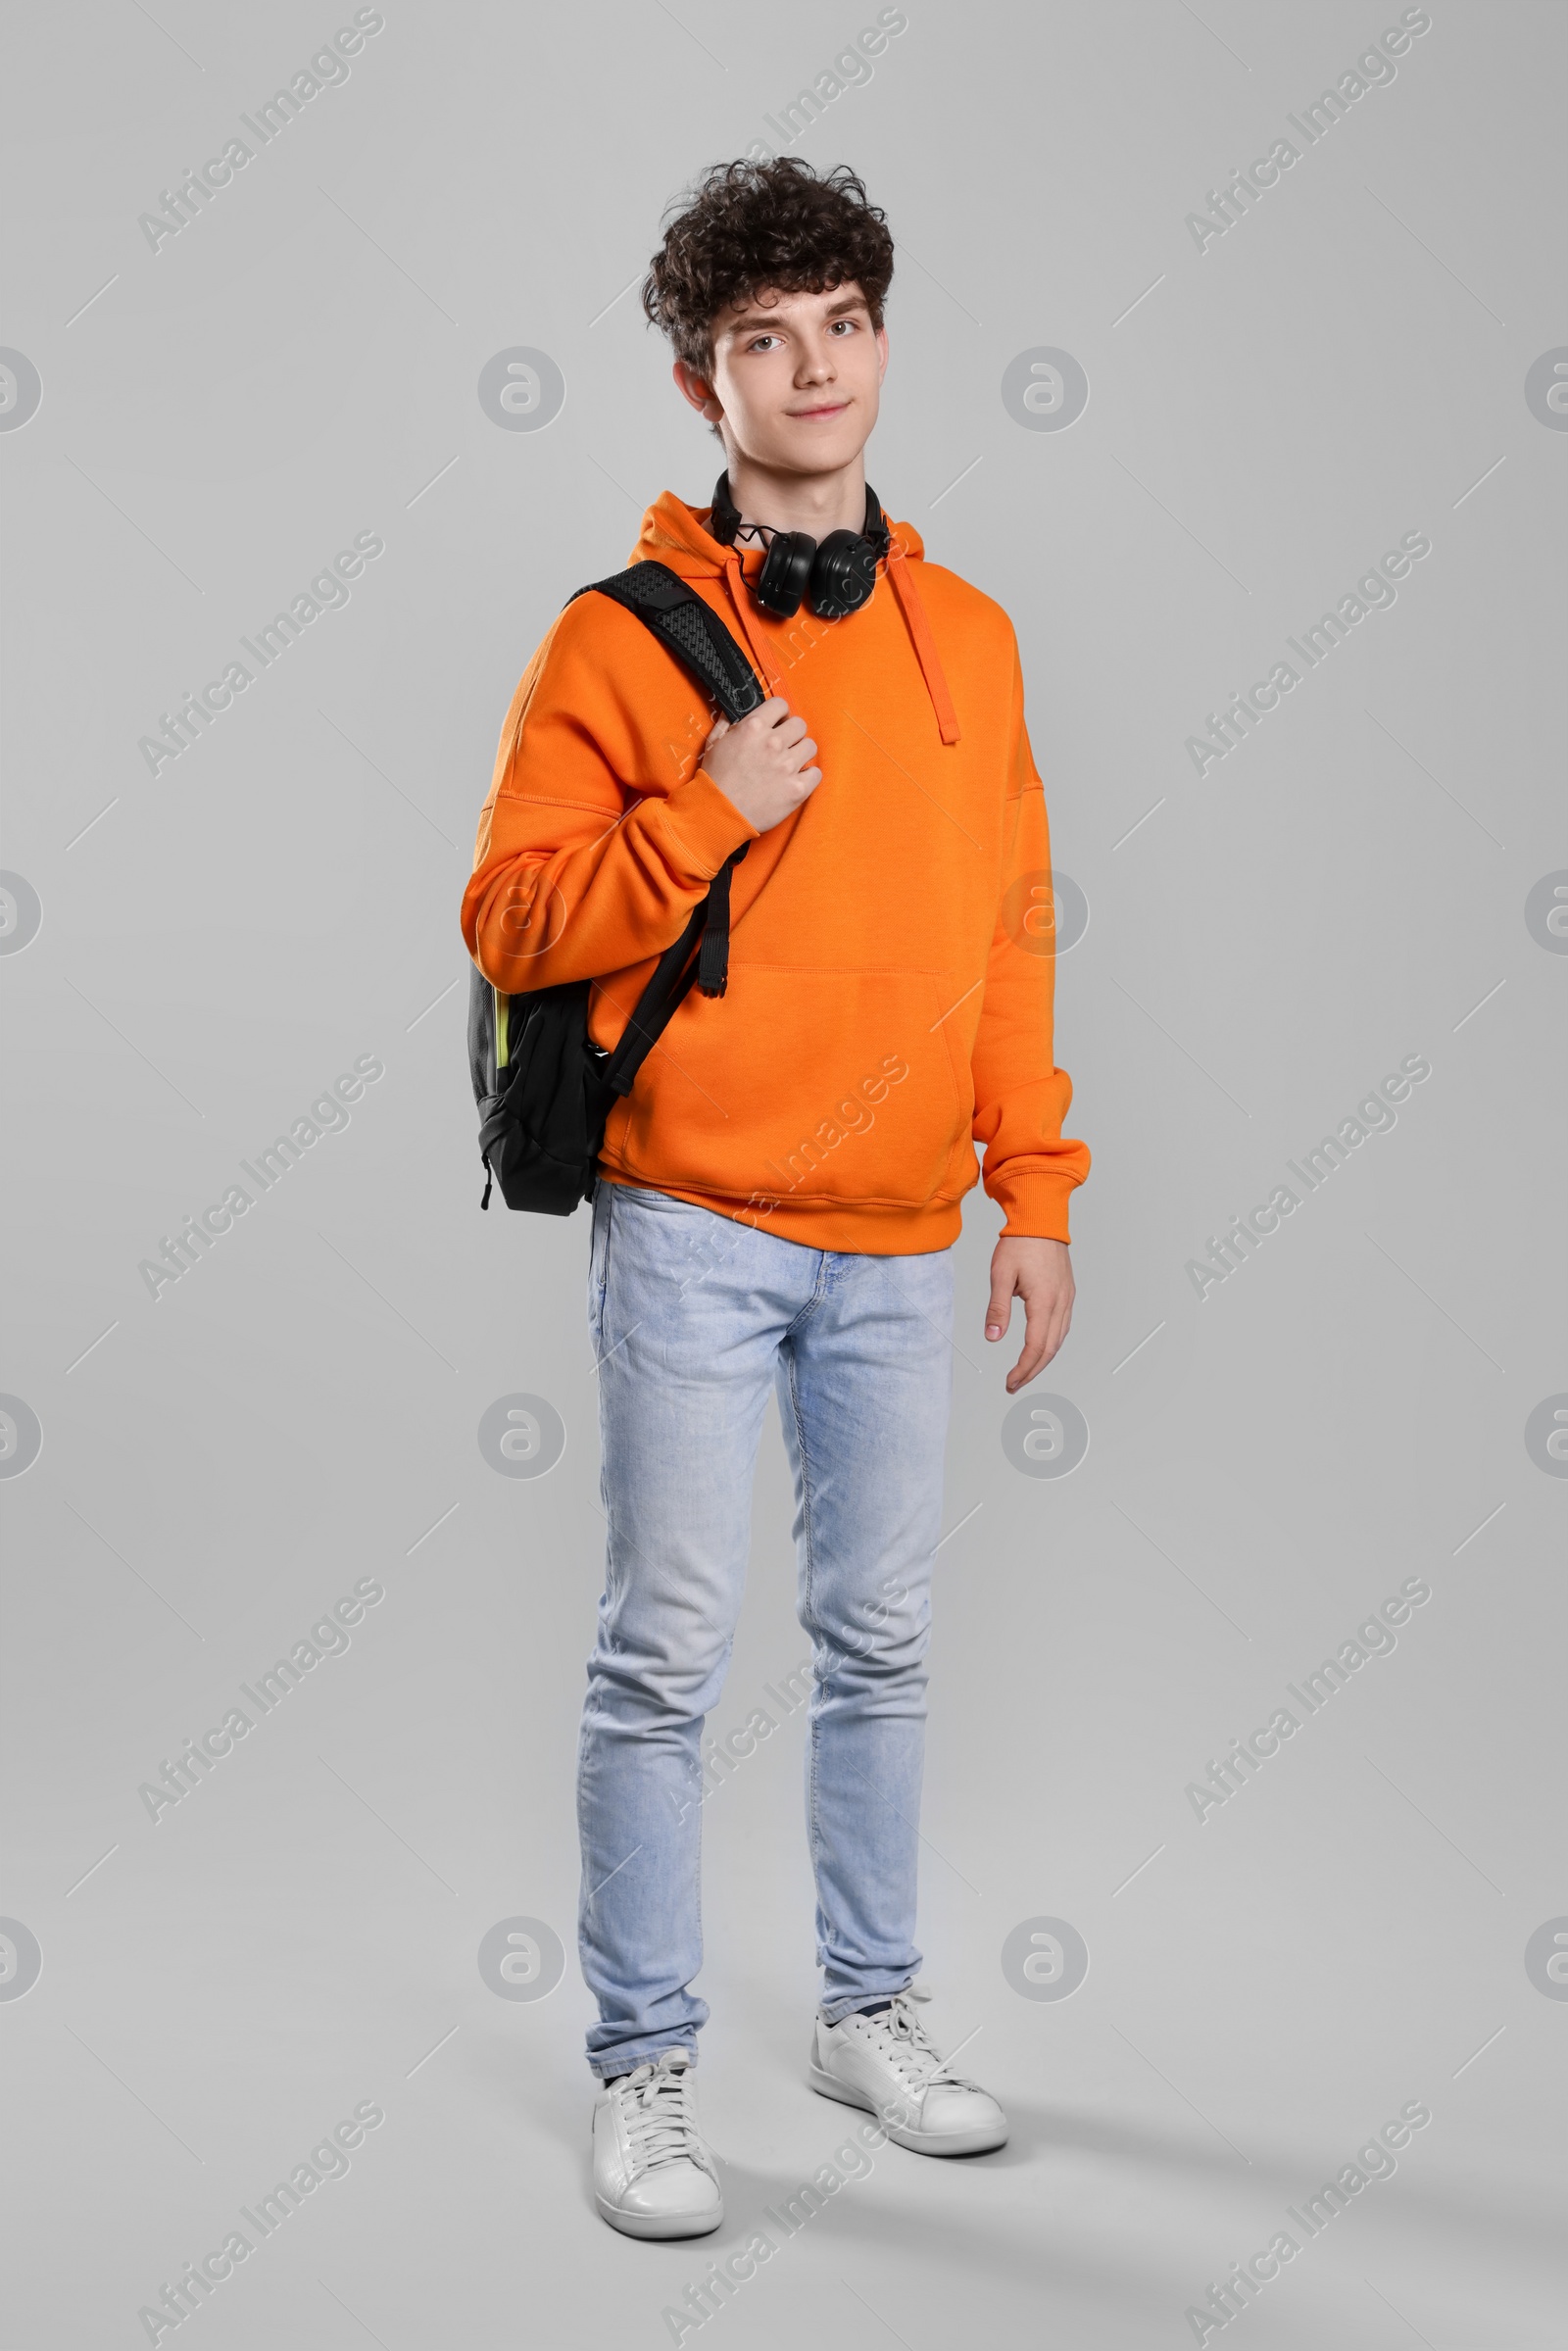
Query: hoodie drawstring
[741,601]
[920,628]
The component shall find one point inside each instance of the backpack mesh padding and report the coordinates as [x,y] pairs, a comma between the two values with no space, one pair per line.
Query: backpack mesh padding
[683,624]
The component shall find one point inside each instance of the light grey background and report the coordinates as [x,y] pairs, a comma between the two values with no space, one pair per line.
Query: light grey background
[1265,418]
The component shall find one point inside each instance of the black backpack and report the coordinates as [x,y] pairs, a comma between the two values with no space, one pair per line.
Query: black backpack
[544,1097]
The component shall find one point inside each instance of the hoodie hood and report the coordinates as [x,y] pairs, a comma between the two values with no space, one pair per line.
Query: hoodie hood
[677,535]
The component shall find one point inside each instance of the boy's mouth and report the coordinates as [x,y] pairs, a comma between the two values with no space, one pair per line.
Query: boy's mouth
[834,408]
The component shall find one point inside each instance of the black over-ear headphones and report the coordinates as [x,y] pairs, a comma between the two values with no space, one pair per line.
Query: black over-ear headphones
[838,577]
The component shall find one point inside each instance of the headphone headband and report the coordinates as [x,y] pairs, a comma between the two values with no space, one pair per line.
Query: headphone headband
[725,521]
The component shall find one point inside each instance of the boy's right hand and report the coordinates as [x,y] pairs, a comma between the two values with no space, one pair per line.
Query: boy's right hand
[761,764]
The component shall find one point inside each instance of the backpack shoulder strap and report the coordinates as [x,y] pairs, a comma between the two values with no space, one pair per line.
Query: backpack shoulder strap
[691,629]
[694,633]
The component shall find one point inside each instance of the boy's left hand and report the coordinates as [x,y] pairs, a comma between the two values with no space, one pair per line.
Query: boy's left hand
[1040,1272]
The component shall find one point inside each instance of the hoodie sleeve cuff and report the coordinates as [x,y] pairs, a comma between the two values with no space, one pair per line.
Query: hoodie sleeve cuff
[706,825]
[1034,1205]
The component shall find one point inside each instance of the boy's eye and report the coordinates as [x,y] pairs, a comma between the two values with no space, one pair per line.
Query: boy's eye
[771,341]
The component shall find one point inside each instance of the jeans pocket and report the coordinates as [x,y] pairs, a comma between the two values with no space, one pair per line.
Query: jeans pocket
[645,1195]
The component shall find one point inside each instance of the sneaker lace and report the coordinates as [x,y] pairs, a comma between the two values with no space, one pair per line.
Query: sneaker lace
[903,2039]
[656,2107]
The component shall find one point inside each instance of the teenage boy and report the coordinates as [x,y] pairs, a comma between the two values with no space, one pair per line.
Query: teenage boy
[780,1192]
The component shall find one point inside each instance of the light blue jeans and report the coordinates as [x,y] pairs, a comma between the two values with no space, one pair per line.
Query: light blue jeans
[694,1316]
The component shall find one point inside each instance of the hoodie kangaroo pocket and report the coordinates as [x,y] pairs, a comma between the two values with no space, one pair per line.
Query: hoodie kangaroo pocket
[837,1085]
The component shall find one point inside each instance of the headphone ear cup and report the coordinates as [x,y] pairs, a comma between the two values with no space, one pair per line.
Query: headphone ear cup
[843,576]
[786,572]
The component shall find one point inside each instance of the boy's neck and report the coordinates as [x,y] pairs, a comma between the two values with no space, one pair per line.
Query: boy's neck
[814,503]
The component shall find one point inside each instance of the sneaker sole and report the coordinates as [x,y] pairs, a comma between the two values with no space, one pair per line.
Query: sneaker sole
[659,2224]
[980,2142]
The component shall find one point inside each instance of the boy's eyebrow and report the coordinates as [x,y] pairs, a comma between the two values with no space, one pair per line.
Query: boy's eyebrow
[750,319]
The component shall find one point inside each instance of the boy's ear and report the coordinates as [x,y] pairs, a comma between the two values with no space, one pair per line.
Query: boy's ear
[697,390]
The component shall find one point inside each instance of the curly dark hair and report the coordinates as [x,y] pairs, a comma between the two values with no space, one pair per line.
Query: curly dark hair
[747,226]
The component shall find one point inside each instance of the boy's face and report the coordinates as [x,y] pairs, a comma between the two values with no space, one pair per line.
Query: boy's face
[795,379]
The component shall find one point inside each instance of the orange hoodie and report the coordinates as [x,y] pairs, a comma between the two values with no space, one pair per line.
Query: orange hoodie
[890,968]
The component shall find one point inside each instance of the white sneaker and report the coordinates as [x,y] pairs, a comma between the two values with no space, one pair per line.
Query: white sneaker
[652,2176]
[888,2064]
